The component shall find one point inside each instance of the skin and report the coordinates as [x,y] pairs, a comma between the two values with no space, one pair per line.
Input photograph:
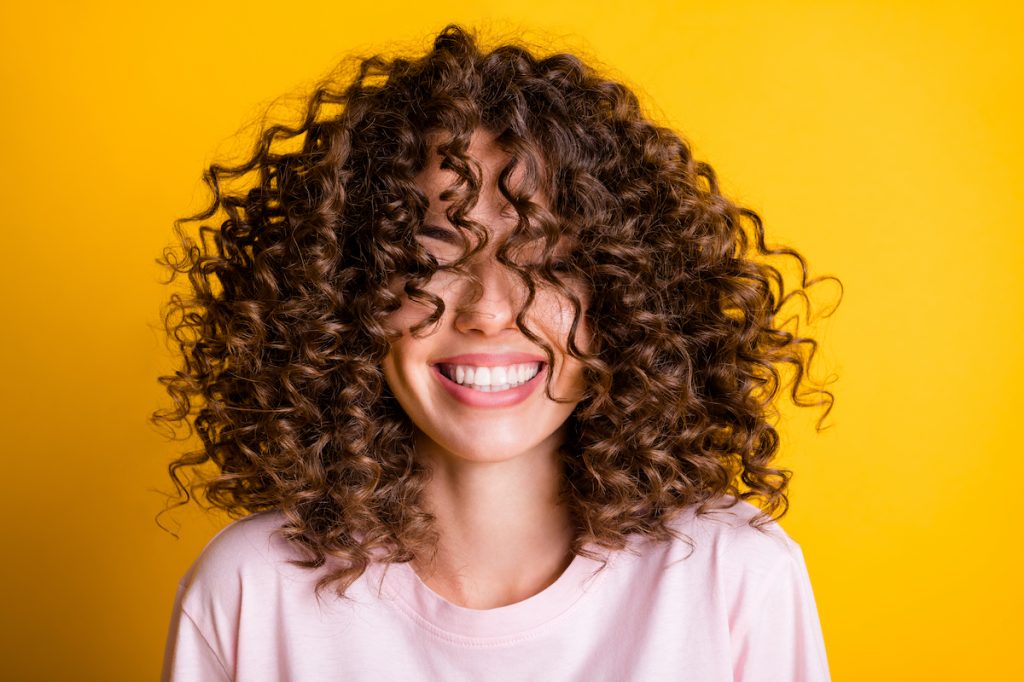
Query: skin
[503,536]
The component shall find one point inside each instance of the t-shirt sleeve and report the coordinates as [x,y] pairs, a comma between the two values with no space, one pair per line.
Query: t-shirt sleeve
[776,632]
[188,655]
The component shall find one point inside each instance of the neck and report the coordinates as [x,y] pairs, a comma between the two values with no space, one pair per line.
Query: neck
[503,534]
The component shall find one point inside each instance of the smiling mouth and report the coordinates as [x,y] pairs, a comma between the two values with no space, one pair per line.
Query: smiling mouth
[491,379]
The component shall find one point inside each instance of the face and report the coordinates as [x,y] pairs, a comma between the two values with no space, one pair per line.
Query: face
[473,386]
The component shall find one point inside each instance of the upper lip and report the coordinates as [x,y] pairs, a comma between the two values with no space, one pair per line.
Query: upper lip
[490,359]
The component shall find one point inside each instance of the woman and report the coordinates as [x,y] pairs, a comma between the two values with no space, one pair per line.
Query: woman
[491,357]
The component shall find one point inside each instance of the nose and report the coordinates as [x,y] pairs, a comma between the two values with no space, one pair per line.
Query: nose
[489,308]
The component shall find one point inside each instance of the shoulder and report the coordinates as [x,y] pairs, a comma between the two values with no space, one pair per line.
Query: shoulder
[247,553]
[738,539]
[241,543]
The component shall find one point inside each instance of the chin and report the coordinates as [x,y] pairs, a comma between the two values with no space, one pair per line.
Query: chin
[485,452]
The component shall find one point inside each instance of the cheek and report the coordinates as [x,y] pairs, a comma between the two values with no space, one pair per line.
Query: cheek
[554,313]
[402,319]
[411,312]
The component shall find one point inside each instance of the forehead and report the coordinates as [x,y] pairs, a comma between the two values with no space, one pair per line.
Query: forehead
[485,158]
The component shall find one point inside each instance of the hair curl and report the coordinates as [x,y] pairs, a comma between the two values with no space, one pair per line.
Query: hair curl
[283,330]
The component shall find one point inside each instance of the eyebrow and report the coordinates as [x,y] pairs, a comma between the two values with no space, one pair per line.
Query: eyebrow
[448,236]
[440,234]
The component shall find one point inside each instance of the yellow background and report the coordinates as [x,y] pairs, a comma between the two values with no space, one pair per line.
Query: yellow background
[882,139]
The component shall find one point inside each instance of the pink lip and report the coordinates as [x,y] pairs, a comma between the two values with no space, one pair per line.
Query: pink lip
[490,359]
[474,398]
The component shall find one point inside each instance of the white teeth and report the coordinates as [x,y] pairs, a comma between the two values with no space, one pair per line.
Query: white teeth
[491,379]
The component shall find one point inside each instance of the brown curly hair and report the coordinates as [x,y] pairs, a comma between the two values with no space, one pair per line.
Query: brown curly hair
[283,330]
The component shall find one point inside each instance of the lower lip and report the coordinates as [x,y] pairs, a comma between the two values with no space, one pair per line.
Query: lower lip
[474,398]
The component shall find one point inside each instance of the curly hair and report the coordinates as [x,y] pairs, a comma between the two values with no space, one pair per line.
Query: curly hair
[283,330]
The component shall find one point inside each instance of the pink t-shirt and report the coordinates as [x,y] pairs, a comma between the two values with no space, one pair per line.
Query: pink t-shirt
[739,608]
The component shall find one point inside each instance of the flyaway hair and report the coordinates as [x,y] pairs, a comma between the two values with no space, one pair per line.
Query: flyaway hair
[282,332]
